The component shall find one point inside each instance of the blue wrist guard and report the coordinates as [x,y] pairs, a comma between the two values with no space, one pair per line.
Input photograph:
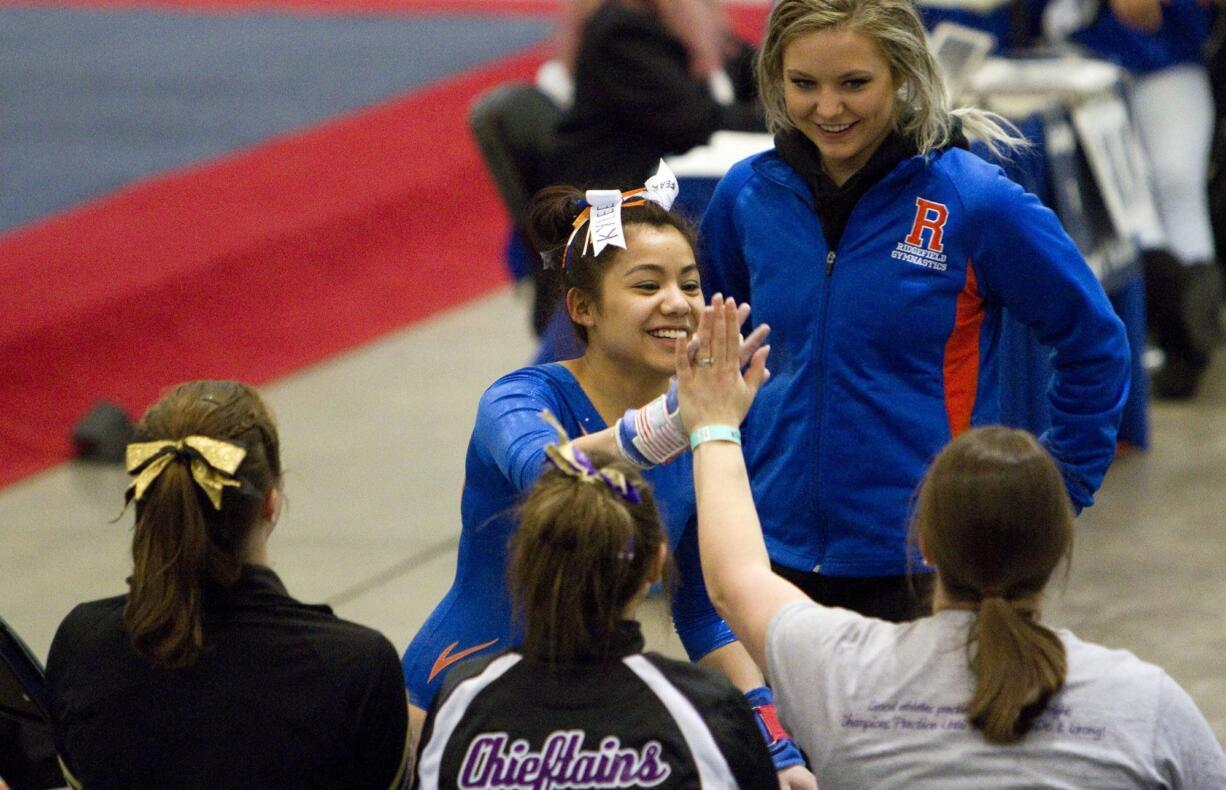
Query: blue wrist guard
[783,750]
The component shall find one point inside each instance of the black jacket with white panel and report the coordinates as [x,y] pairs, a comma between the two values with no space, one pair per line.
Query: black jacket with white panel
[630,719]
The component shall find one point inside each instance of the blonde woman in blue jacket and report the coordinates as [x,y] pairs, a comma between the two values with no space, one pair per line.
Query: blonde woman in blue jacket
[883,254]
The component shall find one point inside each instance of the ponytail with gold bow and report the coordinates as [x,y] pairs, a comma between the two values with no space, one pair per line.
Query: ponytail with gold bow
[204,466]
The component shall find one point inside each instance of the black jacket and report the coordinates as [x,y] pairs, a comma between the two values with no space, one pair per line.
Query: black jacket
[635,102]
[285,695]
[630,719]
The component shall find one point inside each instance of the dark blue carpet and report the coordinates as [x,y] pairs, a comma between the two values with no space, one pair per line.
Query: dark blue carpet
[91,101]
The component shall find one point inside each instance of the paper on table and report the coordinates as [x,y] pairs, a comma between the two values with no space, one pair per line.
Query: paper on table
[721,152]
[1045,76]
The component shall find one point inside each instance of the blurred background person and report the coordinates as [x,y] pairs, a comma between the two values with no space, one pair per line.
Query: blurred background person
[1162,44]
[651,78]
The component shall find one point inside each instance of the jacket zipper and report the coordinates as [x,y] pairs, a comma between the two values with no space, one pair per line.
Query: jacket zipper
[831,257]
[817,440]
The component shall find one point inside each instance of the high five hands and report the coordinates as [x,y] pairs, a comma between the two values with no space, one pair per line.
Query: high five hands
[712,387]
[751,343]
[656,433]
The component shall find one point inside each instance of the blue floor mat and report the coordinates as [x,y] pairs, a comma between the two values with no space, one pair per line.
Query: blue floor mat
[91,101]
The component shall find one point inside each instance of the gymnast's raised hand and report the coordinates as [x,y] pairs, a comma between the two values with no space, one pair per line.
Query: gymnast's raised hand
[712,389]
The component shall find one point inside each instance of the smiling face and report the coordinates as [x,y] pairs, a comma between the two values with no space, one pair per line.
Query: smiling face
[839,92]
[649,297]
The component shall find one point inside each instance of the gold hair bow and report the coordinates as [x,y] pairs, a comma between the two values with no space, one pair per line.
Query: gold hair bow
[570,460]
[213,464]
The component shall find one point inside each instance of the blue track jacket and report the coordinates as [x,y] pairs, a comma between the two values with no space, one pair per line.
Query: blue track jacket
[884,349]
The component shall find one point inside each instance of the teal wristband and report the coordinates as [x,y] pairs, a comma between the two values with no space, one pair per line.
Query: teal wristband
[715,433]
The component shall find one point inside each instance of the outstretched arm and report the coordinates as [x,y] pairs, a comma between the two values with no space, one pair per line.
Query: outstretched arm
[714,393]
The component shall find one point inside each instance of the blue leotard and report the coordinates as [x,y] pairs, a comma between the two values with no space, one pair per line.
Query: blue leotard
[506,454]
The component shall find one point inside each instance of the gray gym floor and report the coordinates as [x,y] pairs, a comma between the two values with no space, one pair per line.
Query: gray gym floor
[373,444]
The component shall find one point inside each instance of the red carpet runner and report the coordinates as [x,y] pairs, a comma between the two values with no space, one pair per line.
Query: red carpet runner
[483,7]
[249,267]
[254,265]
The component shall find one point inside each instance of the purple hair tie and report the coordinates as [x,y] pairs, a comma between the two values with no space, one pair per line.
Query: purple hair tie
[570,460]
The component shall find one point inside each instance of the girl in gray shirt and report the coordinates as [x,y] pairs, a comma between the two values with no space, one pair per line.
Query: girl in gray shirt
[980,693]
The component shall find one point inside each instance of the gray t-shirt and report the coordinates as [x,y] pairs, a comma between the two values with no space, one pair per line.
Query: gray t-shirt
[877,704]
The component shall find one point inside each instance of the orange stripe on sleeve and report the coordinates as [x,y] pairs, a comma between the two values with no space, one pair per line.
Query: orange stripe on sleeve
[961,366]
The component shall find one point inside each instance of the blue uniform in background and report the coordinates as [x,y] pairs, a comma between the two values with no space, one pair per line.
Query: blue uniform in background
[1181,39]
[506,455]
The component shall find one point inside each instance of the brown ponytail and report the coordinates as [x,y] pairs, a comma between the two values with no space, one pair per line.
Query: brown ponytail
[580,555]
[181,545]
[1018,666]
[551,215]
[994,518]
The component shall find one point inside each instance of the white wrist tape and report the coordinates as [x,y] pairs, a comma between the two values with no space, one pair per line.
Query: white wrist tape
[653,434]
